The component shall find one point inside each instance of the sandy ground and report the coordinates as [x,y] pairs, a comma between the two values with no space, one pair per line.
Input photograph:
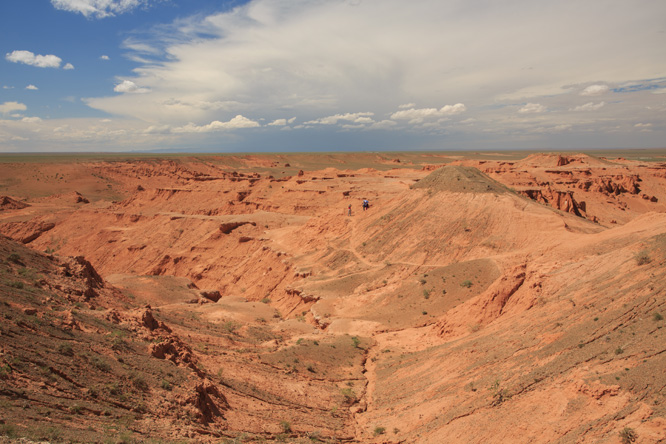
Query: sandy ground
[497,297]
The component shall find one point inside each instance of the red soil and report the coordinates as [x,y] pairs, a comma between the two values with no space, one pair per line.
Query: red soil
[512,300]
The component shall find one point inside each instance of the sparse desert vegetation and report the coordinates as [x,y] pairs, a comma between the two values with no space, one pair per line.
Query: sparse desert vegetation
[490,297]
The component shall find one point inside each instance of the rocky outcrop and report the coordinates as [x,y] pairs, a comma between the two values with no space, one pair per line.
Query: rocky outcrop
[26,232]
[613,185]
[650,198]
[304,296]
[175,350]
[560,200]
[7,203]
[228,227]
[213,295]
[83,271]
[562,160]
[79,198]
[484,308]
[208,401]
[535,194]
[148,320]
[564,201]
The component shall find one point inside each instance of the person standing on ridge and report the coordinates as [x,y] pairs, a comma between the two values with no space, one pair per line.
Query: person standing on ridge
[366,204]
[349,210]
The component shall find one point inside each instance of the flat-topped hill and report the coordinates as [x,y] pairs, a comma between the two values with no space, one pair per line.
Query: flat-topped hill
[460,179]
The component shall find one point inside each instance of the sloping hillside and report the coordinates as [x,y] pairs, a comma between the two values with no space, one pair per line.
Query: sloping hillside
[233,298]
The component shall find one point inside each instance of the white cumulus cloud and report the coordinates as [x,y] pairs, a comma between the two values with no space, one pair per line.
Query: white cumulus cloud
[29,58]
[8,107]
[398,61]
[104,57]
[31,119]
[157,129]
[127,86]
[98,8]
[590,106]
[68,66]
[532,108]
[32,87]
[595,90]
[237,122]
[420,115]
[383,125]
[282,122]
[348,117]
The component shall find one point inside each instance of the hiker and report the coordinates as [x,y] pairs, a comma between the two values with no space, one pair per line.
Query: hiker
[366,204]
[349,210]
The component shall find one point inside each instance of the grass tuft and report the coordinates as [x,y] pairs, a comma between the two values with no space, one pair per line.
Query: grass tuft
[628,435]
[643,258]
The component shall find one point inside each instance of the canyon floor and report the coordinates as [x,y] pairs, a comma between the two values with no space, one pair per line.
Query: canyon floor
[482,297]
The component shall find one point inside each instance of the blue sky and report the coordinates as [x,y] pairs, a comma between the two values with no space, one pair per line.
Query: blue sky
[308,75]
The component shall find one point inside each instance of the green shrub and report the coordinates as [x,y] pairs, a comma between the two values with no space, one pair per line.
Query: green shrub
[8,430]
[499,394]
[100,364]
[628,435]
[14,258]
[657,317]
[126,438]
[50,433]
[466,284]
[118,343]
[115,389]
[65,349]
[5,371]
[139,382]
[642,258]
[356,341]
[285,426]
[379,431]
[230,327]
[349,395]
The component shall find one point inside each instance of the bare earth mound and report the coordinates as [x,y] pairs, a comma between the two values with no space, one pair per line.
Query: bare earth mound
[460,179]
[484,298]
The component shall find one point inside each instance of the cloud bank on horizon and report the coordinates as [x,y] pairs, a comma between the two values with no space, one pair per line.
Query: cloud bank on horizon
[266,75]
